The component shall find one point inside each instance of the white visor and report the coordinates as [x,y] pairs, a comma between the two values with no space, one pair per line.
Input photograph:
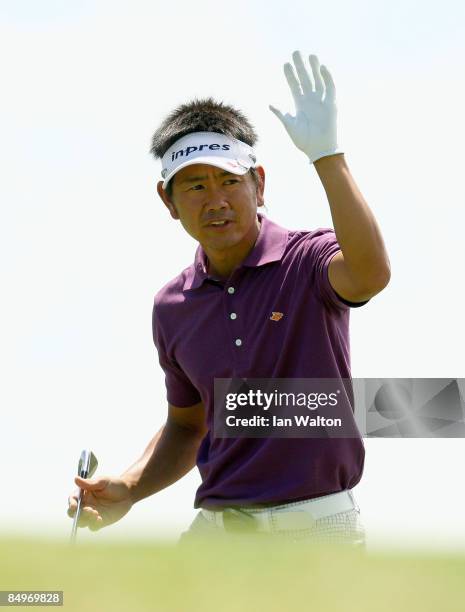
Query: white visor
[207,148]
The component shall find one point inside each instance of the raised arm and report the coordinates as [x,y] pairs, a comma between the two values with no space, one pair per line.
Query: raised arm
[361,269]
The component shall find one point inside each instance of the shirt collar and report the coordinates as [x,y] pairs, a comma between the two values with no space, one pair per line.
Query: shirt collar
[269,246]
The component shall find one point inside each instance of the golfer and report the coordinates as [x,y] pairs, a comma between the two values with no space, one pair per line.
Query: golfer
[258,301]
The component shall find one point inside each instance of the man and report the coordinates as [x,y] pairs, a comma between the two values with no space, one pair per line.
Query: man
[259,301]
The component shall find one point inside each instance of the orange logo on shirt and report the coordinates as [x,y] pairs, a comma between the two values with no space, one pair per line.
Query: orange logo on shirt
[276,316]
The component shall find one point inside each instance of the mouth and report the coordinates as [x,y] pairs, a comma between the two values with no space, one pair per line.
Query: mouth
[219,225]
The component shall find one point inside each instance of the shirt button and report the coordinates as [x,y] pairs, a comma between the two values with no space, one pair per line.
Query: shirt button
[233,315]
[231,289]
[238,342]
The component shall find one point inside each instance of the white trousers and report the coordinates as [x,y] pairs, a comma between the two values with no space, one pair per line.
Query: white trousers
[340,527]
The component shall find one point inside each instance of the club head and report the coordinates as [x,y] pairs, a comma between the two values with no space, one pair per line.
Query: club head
[87,464]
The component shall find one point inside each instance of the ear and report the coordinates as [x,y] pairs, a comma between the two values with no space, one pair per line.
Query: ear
[261,186]
[167,201]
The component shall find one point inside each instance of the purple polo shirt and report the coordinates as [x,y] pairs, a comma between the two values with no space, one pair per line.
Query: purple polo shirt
[205,328]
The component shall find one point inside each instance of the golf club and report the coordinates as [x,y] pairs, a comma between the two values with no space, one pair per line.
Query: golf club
[86,468]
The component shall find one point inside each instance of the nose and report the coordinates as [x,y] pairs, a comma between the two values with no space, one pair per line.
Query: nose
[216,200]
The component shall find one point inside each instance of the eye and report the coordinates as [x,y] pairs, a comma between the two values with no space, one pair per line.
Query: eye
[196,187]
[231,181]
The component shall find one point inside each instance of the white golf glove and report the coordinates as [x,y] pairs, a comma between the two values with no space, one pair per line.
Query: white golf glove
[313,129]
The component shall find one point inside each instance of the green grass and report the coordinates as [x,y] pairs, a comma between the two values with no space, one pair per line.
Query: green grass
[207,577]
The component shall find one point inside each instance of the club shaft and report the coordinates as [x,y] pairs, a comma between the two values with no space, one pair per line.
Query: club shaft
[76,518]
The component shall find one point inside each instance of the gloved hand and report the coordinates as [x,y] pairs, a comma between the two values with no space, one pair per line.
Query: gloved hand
[313,129]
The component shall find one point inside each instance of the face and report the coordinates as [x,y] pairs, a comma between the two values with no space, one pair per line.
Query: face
[202,194]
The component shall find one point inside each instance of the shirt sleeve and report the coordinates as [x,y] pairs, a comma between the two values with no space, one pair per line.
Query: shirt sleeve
[321,247]
[180,392]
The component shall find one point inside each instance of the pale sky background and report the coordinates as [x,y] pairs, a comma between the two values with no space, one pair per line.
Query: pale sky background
[85,242]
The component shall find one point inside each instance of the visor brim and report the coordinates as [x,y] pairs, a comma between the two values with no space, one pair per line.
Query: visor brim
[223,163]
